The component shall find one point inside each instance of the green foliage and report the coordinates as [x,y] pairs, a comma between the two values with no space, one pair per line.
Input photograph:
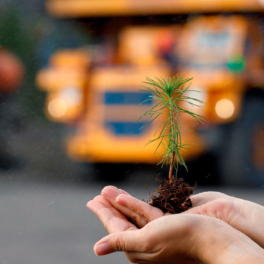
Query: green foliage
[170,94]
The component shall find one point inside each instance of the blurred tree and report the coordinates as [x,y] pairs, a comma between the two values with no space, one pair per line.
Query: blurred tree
[18,36]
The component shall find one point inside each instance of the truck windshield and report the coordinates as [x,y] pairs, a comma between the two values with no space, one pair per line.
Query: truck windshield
[207,50]
[211,40]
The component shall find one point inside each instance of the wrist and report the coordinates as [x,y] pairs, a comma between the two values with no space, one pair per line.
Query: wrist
[219,243]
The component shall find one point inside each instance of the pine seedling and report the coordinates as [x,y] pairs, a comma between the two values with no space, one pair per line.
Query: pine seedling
[169,95]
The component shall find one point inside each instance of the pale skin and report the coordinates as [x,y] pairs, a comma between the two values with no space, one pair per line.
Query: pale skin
[218,229]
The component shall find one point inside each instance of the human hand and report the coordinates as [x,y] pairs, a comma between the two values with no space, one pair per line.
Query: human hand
[182,238]
[245,216]
[113,220]
[138,212]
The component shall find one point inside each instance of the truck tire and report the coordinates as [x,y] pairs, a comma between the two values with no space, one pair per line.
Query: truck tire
[242,161]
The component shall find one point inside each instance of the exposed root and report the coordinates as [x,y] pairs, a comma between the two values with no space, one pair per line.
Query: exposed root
[172,197]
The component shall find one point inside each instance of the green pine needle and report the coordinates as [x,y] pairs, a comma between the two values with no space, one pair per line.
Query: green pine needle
[169,94]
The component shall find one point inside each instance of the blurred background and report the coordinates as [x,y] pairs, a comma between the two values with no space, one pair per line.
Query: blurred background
[70,74]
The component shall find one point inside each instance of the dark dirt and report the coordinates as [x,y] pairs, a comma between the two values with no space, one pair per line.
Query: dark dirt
[172,197]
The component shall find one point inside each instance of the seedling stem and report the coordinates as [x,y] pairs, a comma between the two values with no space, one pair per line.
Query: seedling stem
[170,96]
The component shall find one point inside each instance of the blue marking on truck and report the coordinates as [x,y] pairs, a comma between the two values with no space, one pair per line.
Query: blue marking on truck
[127,98]
[126,128]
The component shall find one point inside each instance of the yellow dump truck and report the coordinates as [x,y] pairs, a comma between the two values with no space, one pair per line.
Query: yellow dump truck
[97,89]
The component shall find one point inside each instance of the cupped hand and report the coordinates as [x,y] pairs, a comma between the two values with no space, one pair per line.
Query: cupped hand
[113,220]
[183,238]
[164,240]
[243,215]
[116,222]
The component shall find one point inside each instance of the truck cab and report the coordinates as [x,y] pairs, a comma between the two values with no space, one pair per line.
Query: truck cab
[223,54]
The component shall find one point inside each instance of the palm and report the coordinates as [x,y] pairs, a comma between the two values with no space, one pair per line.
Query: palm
[116,220]
[111,218]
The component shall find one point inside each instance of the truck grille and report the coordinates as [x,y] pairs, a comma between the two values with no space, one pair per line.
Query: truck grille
[116,102]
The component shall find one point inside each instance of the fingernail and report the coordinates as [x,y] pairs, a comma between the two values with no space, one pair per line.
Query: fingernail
[102,249]
[110,193]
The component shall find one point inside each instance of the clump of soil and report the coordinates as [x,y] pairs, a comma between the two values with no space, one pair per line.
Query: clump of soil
[172,197]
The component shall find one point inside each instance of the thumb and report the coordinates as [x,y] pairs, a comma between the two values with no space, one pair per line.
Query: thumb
[122,241]
[206,197]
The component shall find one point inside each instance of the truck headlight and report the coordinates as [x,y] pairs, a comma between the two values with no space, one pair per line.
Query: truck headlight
[57,107]
[66,99]
[224,108]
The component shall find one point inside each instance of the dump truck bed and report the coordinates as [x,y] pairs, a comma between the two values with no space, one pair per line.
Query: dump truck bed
[97,8]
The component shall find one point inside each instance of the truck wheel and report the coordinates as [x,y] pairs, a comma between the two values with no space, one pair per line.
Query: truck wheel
[242,162]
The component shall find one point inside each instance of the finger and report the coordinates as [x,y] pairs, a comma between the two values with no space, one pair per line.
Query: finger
[124,192]
[203,203]
[143,209]
[221,208]
[111,193]
[205,197]
[112,220]
[105,215]
[103,200]
[96,205]
[108,204]
[120,191]
[122,241]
